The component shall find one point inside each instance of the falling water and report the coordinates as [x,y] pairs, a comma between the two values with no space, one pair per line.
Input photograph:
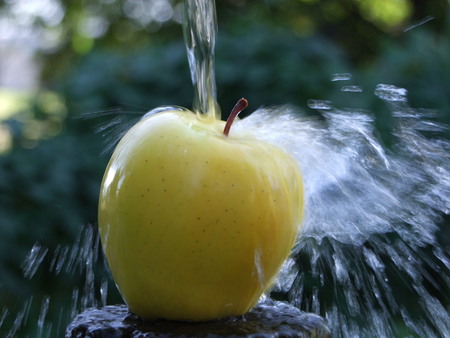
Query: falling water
[200,29]
[373,256]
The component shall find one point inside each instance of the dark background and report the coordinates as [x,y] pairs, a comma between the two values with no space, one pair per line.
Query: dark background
[110,64]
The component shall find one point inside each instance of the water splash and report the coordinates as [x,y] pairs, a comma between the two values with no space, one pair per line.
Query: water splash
[366,208]
[372,257]
[80,261]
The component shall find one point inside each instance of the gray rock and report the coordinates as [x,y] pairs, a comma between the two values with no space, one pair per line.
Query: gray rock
[268,318]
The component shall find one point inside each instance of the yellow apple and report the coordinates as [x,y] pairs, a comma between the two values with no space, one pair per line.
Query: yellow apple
[196,222]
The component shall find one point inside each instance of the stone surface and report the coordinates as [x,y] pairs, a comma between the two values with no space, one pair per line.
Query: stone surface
[267,319]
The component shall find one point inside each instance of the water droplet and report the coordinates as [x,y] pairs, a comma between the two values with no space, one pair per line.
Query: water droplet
[391,93]
[418,23]
[21,318]
[341,77]
[353,89]
[3,315]
[33,260]
[373,260]
[320,104]
[42,315]
[258,268]
[104,292]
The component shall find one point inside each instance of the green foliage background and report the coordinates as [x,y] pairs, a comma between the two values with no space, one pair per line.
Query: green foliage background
[273,52]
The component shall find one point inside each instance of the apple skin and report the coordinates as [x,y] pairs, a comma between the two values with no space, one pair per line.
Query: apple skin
[195,225]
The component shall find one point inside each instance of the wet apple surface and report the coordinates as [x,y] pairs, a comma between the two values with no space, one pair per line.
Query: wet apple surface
[195,224]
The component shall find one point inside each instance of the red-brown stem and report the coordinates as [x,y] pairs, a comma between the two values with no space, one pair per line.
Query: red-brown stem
[240,106]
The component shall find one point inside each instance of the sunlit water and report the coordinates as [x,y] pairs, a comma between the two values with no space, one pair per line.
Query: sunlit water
[373,256]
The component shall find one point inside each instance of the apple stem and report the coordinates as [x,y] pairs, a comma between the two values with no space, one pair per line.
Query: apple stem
[240,106]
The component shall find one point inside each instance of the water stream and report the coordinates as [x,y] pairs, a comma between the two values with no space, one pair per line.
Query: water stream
[200,29]
[373,256]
